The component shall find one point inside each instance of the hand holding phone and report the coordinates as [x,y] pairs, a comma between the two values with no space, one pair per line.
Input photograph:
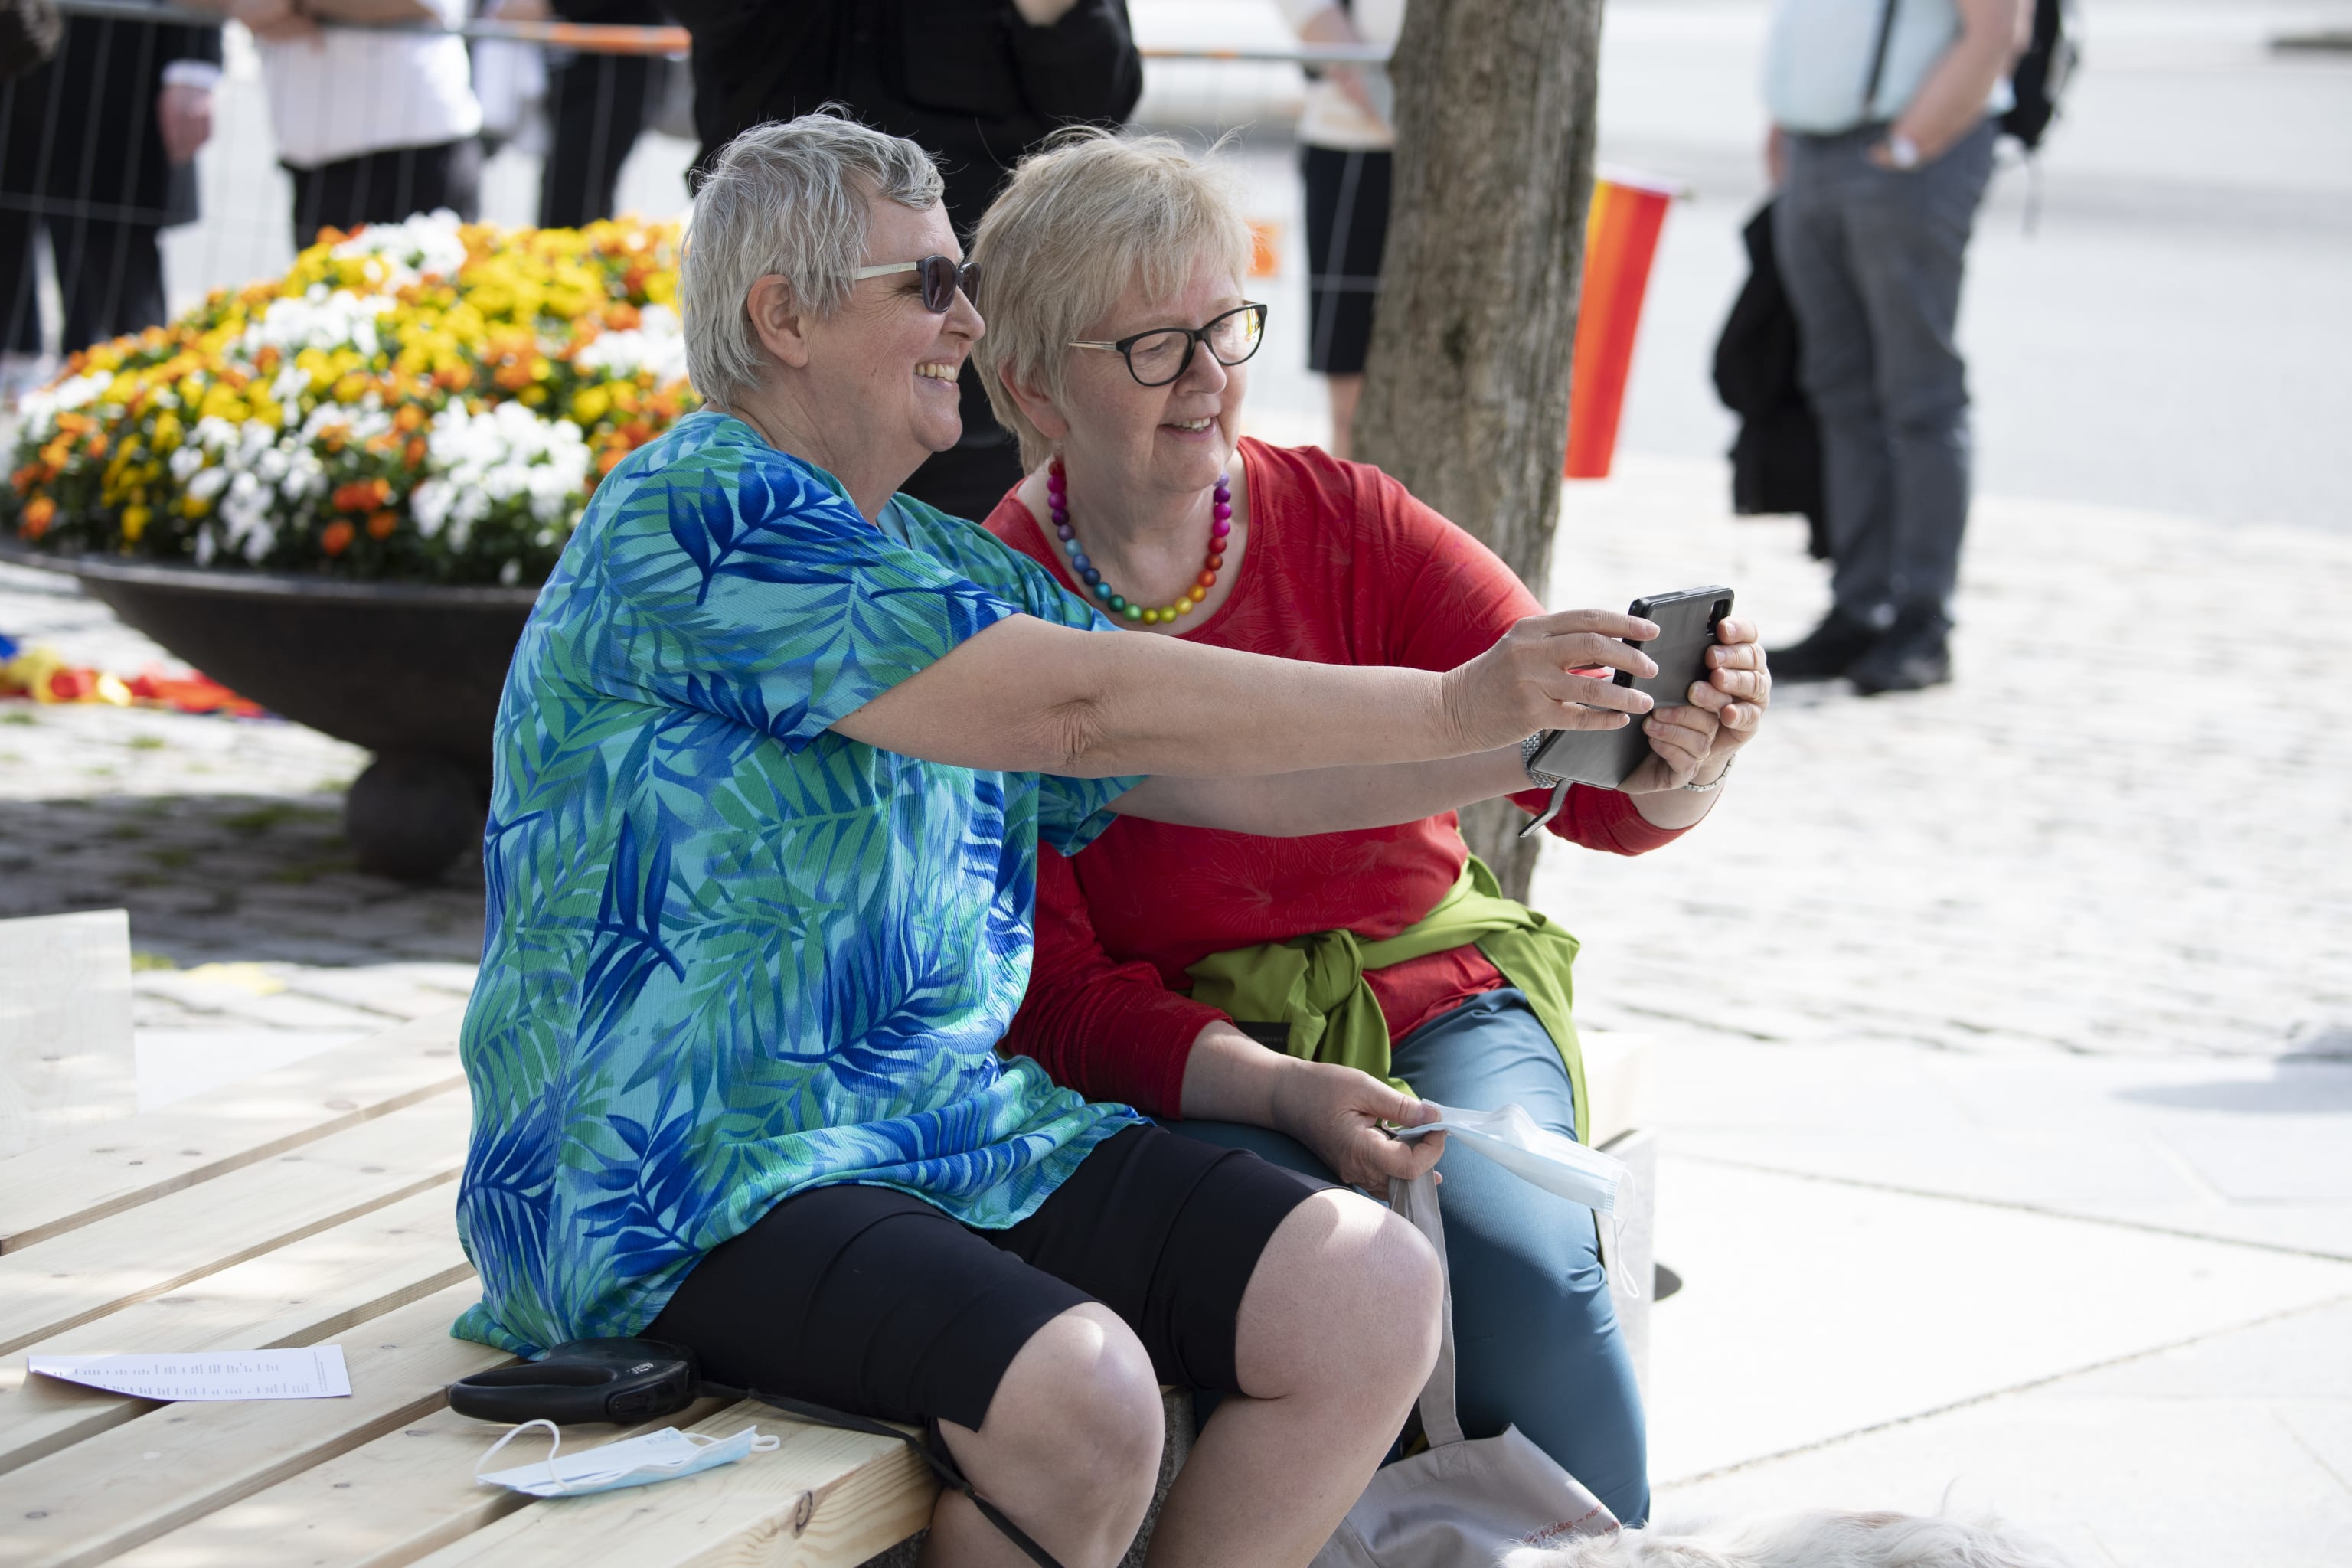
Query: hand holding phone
[1686,622]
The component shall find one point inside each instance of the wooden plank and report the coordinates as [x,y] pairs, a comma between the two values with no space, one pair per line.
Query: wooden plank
[383,1505]
[114,1491]
[305,1293]
[140,1159]
[65,1028]
[200,1230]
[823,1500]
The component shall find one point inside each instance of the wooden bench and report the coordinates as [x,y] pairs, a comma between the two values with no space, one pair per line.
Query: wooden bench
[314,1204]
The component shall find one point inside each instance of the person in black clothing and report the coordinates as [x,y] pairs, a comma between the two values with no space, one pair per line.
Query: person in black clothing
[977,83]
[96,149]
[595,106]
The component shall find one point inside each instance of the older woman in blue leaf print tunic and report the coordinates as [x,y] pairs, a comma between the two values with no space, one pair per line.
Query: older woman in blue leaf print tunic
[774,761]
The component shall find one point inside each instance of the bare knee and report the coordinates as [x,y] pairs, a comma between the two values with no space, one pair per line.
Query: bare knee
[1074,1425]
[1345,1306]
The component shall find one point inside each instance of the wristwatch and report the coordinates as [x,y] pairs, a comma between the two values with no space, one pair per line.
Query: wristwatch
[1902,152]
[1541,780]
[1527,750]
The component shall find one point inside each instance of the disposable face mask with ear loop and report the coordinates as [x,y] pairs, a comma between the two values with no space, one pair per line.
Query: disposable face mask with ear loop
[662,1456]
[1535,1153]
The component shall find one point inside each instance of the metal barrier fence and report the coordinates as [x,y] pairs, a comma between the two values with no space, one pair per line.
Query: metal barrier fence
[577,122]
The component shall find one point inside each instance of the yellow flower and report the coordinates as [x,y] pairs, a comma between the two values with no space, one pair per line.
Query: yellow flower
[589,403]
[134,522]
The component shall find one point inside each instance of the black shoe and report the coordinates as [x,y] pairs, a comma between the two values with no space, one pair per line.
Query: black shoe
[1827,653]
[1912,655]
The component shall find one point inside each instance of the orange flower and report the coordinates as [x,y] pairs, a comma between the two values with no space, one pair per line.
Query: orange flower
[38,513]
[98,445]
[416,450]
[337,538]
[362,495]
[380,524]
[408,418]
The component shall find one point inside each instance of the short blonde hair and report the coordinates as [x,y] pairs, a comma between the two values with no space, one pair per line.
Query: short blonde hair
[792,197]
[1077,224]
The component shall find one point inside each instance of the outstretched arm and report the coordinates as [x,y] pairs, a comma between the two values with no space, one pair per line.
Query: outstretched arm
[1023,695]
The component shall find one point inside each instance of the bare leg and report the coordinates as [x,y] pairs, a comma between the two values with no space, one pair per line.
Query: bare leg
[1337,1332]
[1069,1450]
[1345,390]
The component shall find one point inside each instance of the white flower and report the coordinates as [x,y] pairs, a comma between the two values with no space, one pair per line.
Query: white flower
[213,434]
[208,484]
[319,320]
[402,252]
[657,343]
[429,504]
[185,461]
[82,389]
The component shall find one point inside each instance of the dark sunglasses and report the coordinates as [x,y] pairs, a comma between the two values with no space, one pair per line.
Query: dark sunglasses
[1158,356]
[942,276]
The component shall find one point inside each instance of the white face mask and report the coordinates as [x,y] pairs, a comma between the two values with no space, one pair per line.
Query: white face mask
[1535,1153]
[662,1456]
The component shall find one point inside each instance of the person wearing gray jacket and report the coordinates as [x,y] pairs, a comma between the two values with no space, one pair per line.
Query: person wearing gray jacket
[1885,113]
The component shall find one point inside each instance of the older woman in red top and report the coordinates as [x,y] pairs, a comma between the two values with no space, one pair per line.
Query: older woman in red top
[1125,383]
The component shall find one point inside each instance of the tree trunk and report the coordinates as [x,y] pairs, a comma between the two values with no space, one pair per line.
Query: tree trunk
[1465,393]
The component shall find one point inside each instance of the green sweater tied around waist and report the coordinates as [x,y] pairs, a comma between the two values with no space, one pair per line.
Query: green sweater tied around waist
[1314,984]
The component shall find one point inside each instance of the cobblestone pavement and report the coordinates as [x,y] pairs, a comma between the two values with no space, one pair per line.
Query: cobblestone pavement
[223,839]
[2120,831]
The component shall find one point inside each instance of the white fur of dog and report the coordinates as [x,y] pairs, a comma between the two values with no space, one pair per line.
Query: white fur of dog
[1824,1538]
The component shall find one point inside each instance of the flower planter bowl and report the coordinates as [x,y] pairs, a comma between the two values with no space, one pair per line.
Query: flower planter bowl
[410,671]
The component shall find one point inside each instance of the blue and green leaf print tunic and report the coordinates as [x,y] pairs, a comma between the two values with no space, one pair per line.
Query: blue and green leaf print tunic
[731,955]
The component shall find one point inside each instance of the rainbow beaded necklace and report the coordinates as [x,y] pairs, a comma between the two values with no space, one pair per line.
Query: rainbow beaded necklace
[1221,524]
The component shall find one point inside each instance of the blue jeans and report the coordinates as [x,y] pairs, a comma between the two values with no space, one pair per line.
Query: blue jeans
[1535,1330]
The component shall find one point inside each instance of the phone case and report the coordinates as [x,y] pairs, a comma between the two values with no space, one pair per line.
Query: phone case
[1686,622]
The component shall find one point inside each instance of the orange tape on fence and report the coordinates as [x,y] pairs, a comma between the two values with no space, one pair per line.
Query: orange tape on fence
[1620,239]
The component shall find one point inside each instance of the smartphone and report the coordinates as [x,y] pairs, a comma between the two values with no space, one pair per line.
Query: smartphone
[1686,622]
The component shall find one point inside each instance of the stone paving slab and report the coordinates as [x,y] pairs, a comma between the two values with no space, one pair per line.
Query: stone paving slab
[1811,1310]
[2237,1149]
[2235,1448]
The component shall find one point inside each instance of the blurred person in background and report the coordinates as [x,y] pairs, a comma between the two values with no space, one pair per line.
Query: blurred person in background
[98,154]
[975,84]
[1345,140]
[596,104]
[374,122]
[1884,120]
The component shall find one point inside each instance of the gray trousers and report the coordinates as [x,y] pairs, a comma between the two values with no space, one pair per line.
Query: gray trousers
[1871,259]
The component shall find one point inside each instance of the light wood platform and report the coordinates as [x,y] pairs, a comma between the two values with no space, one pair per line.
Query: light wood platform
[313,1205]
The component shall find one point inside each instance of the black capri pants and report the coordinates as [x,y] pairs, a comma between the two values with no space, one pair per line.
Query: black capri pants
[869,1300]
[1347,229]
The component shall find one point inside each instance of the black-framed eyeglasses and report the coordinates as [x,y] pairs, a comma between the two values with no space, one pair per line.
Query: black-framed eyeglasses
[942,276]
[1158,356]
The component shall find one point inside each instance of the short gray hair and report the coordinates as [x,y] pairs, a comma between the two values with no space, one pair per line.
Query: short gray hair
[1072,228]
[792,197]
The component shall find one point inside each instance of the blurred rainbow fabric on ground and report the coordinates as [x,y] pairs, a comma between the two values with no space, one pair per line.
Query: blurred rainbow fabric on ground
[39,674]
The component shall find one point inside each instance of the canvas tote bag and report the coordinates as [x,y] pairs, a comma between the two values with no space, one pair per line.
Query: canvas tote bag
[1462,1503]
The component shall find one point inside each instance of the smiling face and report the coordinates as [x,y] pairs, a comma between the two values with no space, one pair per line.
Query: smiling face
[1170,441]
[882,370]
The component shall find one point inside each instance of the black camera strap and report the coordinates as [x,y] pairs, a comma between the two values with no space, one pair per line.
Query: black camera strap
[930,1447]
